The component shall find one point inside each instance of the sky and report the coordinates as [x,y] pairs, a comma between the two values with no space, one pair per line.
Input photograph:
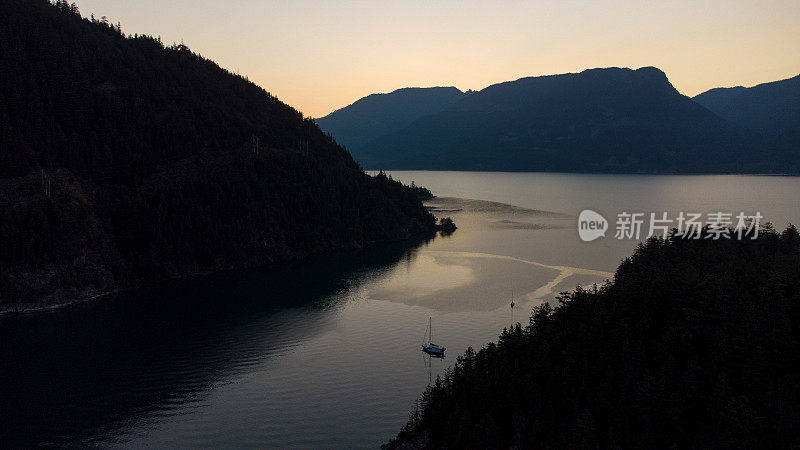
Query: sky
[319,56]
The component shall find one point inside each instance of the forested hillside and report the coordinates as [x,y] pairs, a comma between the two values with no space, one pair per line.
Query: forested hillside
[694,344]
[123,161]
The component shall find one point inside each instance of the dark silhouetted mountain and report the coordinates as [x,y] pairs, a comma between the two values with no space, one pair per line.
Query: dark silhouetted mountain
[599,120]
[379,114]
[123,162]
[772,109]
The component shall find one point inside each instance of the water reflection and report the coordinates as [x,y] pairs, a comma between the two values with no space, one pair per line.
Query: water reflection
[76,374]
[468,281]
[429,360]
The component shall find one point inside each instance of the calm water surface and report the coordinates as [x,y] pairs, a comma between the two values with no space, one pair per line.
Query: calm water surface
[325,353]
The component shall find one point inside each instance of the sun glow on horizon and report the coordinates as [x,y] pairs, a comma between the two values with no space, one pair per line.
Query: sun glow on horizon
[319,56]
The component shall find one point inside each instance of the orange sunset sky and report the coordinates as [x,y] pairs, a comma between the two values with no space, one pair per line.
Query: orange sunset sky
[322,55]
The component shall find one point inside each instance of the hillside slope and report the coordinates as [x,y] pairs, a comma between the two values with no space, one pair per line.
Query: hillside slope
[379,114]
[123,162]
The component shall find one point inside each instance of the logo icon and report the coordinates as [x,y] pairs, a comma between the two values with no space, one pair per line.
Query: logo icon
[591,225]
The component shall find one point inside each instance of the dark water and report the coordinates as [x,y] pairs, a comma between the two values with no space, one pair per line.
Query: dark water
[118,370]
[325,353]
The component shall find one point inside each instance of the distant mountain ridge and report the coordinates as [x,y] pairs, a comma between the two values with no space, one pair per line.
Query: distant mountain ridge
[772,109]
[379,114]
[598,120]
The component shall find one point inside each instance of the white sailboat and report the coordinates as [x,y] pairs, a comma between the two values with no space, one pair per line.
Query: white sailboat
[430,347]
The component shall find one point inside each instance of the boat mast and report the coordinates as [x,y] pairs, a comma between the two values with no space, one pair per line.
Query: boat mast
[430,327]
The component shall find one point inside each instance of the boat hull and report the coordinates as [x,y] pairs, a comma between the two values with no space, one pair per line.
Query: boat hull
[433,349]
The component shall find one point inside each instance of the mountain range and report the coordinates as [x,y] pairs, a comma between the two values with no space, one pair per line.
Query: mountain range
[598,120]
